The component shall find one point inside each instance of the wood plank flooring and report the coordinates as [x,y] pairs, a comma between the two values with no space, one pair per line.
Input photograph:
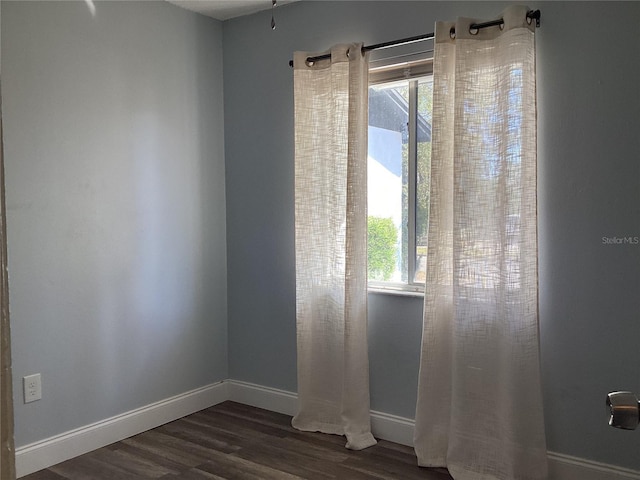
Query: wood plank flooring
[234,441]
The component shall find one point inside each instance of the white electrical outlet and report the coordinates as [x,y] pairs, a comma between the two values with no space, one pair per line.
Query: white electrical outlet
[32,388]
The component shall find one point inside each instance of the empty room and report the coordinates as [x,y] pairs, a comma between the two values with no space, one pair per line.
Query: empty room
[320,239]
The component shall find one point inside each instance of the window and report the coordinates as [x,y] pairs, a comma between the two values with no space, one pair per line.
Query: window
[399,160]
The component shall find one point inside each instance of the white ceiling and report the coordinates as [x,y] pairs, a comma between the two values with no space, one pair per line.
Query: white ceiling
[225,9]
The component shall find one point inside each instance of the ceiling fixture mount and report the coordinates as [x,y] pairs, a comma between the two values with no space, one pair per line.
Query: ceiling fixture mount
[274,3]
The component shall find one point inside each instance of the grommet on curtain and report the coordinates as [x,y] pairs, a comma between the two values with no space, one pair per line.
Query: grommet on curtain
[473,30]
[362,52]
[452,33]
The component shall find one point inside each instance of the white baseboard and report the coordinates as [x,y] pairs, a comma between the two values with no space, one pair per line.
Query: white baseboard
[566,467]
[271,399]
[46,453]
[392,428]
[51,451]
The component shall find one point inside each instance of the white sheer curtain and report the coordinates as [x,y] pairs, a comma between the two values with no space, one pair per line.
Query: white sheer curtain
[331,244]
[479,409]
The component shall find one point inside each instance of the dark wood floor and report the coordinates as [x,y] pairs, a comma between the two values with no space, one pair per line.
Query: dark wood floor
[235,441]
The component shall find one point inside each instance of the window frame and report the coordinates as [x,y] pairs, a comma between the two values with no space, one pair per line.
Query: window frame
[412,71]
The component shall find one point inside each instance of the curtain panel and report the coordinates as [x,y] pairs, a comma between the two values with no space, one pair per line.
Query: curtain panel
[331,119]
[479,409]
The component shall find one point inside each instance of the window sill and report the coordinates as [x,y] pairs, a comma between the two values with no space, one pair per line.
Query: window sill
[400,291]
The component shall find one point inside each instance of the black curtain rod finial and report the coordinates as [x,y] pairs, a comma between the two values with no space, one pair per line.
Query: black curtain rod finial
[535,15]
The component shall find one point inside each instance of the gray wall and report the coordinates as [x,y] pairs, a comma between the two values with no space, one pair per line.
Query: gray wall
[589,188]
[589,184]
[116,206]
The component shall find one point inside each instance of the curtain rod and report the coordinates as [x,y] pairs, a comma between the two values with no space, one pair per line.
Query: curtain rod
[532,14]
